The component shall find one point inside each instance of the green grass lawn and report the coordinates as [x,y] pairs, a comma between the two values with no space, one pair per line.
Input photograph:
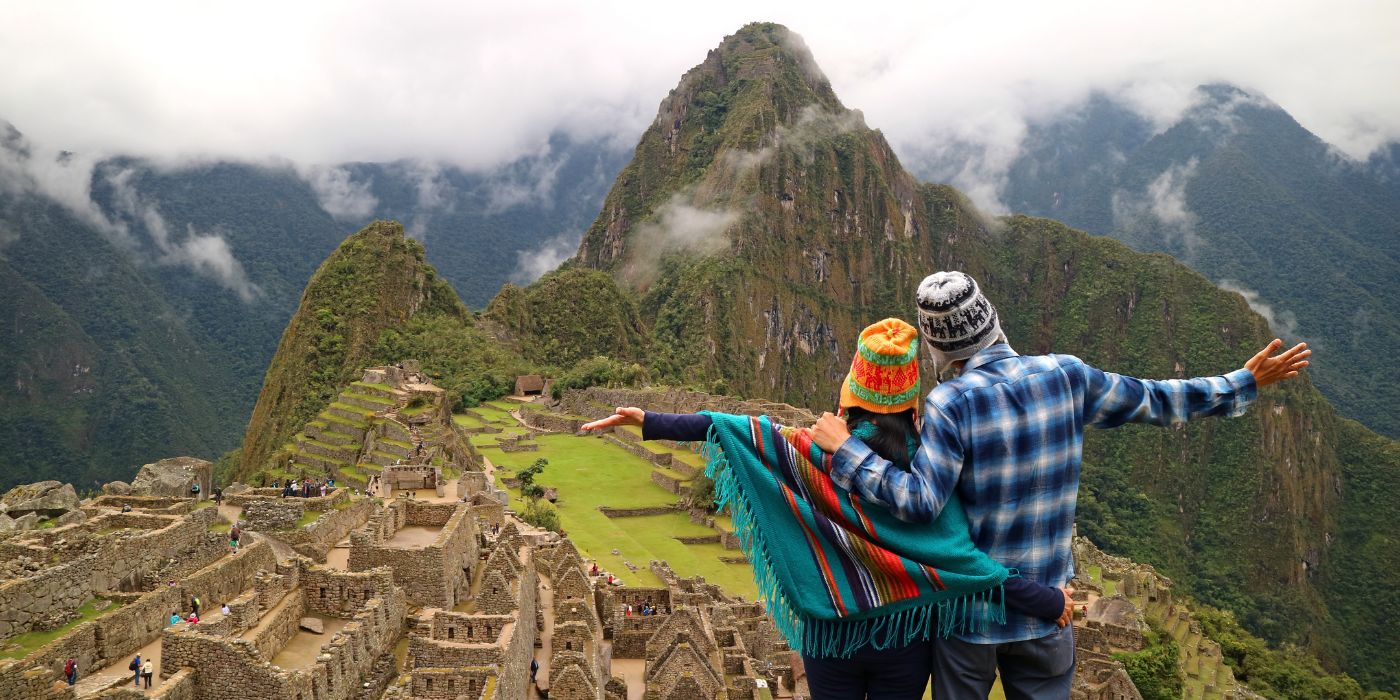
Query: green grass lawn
[29,642]
[465,420]
[309,517]
[494,414]
[590,472]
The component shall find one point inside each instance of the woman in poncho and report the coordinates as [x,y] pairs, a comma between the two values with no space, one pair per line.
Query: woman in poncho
[855,590]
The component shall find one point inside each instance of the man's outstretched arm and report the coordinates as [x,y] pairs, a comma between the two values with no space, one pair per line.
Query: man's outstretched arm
[1112,399]
[915,496]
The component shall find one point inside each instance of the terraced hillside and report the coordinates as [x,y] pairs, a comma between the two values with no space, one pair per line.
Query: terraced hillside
[370,425]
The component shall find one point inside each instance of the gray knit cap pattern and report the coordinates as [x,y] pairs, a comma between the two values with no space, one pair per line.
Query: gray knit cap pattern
[956,321]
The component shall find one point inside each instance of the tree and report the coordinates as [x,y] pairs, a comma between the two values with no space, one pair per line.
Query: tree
[528,488]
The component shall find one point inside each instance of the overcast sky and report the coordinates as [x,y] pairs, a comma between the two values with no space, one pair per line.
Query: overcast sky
[473,84]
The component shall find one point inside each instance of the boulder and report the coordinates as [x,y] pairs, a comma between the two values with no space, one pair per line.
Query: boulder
[49,499]
[116,488]
[27,521]
[312,625]
[6,523]
[236,488]
[69,518]
[173,477]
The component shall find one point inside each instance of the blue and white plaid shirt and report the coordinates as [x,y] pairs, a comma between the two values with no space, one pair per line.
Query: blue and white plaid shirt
[1008,435]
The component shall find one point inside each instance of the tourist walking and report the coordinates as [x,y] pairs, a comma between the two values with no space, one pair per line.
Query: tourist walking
[218,496]
[233,534]
[863,621]
[1004,436]
[534,669]
[148,669]
[70,671]
[194,604]
[135,668]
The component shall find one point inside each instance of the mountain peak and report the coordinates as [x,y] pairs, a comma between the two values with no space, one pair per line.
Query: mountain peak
[710,151]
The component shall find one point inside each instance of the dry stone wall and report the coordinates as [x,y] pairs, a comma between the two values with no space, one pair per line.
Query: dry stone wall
[319,537]
[273,515]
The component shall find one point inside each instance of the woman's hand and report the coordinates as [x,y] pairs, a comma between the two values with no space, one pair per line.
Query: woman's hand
[624,415]
[830,433]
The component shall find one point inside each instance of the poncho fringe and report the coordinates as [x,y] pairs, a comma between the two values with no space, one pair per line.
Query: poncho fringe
[826,632]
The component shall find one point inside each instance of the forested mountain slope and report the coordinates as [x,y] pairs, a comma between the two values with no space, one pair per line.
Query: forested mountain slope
[762,224]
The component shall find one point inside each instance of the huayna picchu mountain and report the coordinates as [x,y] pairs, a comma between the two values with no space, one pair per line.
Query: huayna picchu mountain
[373,301]
[761,224]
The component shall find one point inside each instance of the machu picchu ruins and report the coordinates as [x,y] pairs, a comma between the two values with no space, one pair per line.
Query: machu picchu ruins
[414,574]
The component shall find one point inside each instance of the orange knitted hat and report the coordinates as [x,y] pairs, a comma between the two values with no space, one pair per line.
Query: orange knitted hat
[884,376]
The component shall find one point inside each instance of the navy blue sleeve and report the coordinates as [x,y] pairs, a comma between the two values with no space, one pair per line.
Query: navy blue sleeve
[1037,600]
[692,427]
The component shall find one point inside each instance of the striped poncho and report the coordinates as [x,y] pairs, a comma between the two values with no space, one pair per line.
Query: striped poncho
[837,574]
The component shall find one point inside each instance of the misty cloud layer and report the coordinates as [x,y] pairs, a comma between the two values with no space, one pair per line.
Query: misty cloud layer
[66,179]
[477,86]
[1283,322]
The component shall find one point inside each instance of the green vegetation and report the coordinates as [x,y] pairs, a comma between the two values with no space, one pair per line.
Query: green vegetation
[1156,668]
[542,515]
[1288,672]
[1272,210]
[530,490]
[30,642]
[309,517]
[588,472]
[1226,508]
[568,316]
[374,301]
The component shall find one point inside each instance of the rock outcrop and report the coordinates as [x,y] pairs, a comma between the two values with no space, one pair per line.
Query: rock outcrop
[174,477]
[45,499]
[116,488]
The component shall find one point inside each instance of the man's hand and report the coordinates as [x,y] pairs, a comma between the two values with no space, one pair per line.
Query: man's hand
[1268,370]
[1068,615]
[624,415]
[830,433]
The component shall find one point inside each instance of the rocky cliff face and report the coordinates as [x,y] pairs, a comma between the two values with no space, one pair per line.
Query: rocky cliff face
[763,224]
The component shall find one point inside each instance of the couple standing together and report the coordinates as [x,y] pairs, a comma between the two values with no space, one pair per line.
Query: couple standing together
[891,543]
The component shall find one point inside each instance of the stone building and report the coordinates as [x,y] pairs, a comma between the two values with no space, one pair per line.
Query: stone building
[431,548]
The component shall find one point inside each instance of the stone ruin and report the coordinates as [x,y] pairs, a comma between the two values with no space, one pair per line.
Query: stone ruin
[409,598]
[391,430]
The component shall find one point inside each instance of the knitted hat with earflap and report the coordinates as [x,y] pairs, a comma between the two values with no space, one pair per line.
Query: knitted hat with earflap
[884,376]
[956,320]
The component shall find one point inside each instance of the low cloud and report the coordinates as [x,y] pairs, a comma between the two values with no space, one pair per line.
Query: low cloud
[533,264]
[8,237]
[1283,322]
[530,180]
[206,253]
[66,178]
[338,193]
[434,194]
[677,226]
[1161,207]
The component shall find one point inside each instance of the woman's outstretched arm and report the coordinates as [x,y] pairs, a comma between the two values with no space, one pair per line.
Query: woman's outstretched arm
[657,426]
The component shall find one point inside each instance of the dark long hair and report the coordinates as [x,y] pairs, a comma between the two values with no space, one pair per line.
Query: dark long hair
[894,433]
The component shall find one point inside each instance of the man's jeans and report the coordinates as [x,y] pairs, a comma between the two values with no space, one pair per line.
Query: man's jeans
[1042,669]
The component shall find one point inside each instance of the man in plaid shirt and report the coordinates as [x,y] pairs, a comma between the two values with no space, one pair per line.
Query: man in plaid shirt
[1007,435]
